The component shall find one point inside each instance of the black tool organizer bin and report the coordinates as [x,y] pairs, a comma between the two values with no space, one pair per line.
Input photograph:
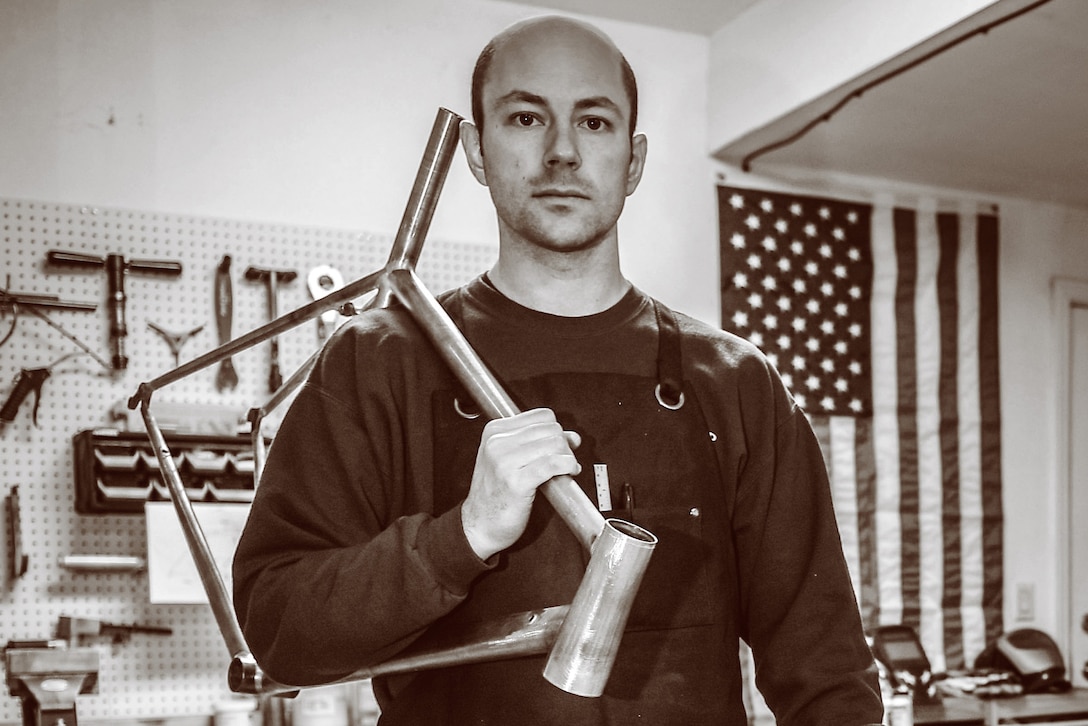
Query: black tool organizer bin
[116,472]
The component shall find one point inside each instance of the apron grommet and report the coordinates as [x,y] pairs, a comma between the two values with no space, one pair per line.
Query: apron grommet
[462,413]
[665,404]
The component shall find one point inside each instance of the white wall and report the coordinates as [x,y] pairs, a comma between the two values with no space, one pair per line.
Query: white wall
[1039,242]
[762,62]
[317,113]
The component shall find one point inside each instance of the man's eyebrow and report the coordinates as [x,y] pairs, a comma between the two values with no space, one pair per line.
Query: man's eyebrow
[598,102]
[519,96]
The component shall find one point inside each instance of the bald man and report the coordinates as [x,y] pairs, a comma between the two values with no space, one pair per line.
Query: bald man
[388,510]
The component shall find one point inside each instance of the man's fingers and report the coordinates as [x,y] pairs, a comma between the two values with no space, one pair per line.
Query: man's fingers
[538,471]
[520,420]
[535,448]
[517,454]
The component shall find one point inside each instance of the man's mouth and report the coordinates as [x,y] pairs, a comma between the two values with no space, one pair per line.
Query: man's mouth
[561,193]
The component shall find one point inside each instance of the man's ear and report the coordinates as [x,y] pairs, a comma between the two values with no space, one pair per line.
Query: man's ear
[474,153]
[637,163]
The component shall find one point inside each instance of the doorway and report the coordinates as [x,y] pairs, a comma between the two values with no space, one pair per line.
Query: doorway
[1071,328]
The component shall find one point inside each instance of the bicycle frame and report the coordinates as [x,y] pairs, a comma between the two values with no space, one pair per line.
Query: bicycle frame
[582,639]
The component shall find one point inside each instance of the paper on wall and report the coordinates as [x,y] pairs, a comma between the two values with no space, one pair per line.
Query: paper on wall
[172,574]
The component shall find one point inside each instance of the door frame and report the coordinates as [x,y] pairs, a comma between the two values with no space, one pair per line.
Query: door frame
[1066,295]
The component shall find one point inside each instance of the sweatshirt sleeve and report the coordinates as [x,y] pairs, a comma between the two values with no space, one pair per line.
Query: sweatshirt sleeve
[798,608]
[341,564]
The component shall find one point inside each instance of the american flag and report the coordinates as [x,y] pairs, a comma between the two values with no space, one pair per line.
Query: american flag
[882,321]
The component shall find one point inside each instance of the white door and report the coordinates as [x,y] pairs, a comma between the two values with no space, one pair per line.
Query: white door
[1078,490]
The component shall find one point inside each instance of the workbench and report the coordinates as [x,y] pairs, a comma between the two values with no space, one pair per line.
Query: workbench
[1068,709]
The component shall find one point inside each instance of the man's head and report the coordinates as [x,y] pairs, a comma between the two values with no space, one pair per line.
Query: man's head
[554,109]
[483,64]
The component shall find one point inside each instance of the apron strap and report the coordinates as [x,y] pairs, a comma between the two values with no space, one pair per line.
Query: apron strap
[669,390]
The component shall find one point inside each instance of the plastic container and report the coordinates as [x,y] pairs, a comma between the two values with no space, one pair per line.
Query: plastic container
[234,712]
[325,706]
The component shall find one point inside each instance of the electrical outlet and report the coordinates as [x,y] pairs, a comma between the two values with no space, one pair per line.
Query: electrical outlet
[1025,602]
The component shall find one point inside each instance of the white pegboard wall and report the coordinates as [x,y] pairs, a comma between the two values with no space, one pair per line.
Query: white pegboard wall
[148,676]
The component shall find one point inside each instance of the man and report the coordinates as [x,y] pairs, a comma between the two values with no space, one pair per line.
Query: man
[386,510]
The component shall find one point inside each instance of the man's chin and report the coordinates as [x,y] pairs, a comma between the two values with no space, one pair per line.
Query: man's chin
[566,245]
[560,233]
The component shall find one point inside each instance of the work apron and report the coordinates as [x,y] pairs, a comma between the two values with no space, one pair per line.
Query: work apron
[677,663]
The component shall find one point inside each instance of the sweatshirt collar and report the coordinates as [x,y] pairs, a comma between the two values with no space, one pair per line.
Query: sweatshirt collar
[492,302]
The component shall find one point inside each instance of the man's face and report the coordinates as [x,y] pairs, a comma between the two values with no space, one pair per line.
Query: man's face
[556,152]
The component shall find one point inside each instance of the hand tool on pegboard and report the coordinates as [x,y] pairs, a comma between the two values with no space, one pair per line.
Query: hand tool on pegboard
[13,302]
[17,559]
[323,280]
[272,279]
[74,629]
[225,377]
[175,340]
[31,380]
[116,267]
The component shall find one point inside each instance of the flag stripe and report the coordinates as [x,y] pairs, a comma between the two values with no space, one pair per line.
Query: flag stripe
[906,360]
[885,433]
[927,326]
[843,469]
[948,296]
[990,427]
[865,471]
[972,617]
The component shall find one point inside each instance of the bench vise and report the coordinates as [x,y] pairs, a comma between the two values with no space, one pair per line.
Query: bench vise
[47,677]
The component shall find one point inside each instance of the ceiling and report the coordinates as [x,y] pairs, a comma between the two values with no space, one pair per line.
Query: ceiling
[691,16]
[1003,113]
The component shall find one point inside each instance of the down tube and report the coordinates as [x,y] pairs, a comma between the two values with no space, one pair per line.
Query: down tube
[564,494]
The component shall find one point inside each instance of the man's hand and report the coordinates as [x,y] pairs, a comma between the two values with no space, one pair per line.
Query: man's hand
[516,455]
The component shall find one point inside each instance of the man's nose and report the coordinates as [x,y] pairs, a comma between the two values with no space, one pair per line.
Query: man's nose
[562,148]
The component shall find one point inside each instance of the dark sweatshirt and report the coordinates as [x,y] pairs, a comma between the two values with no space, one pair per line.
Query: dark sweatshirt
[354,547]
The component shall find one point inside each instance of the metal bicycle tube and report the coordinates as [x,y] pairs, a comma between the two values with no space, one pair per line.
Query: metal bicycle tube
[258,335]
[585,651]
[533,632]
[428,185]
[424,197]
[564,494]
[218,597]
[590,635]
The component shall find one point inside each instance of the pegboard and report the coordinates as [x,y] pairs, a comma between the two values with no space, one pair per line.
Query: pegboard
[149,676]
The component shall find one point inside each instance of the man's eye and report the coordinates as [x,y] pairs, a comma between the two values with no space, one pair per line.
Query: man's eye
[525,119]
[596,124]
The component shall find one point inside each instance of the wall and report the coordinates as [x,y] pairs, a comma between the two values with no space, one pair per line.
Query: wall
[1040,242]
[316,113]
[761,65]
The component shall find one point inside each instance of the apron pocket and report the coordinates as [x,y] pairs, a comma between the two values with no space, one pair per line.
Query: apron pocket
[674,592]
